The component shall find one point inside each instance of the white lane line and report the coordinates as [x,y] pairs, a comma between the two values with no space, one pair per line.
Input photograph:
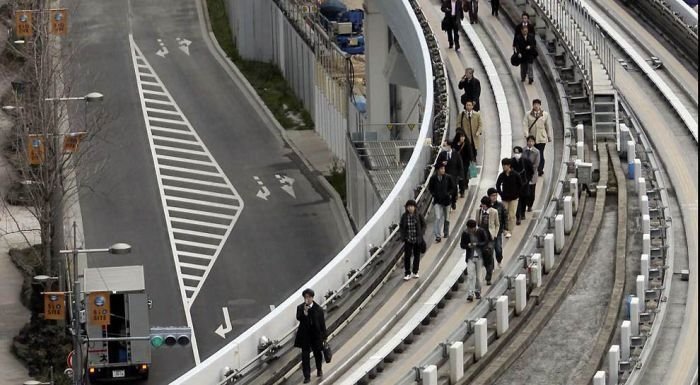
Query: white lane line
[170,130]
[198,233]
[161,111]
[178,159]
[174,140]
[188,293]
[198,192]
[200,202]
[193,266]
[198,223]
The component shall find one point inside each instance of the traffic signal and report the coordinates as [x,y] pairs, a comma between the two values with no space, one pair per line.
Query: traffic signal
[170,336]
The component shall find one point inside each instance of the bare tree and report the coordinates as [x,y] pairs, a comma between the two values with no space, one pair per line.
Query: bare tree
[53,129]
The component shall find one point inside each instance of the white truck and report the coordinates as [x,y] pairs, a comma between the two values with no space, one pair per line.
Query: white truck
[121,349]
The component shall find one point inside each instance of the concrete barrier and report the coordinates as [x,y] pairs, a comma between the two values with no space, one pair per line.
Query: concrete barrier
[501,315]
[536,270]
[456,358]
[559,233]
[568,215]
[613,364]
[520,293]
[481,346]
[625,340]
[429,375]
[644,262]
[549,252]
[599,378]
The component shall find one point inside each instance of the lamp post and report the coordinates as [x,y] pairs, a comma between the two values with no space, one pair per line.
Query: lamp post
[117,248]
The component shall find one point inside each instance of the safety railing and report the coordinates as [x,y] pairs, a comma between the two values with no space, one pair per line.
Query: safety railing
[240,356]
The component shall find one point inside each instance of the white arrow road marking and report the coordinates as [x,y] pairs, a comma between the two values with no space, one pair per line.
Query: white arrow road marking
[289,190]
[226,328]
[263,193]
[184,45]
[287,183]
[200,204]
[163,49]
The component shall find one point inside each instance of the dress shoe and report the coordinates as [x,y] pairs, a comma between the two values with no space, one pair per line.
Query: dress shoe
[477,295]
[307,380]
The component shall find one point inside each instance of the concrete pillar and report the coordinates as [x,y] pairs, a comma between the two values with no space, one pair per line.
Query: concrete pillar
[598,378]
[536,270]
[631,155]
[625,340]
[377,52]
[613,364]
[579,151]
[641,187]
[646,224]
[456,352]
[430,375]
[549,252]
[634,316]
[645,269]
[646,244]
[480,339]
[641,289]
[501,315]
[579,134]
[558,233]
[644,204]
[637,171]
[568,215]
[573,189]
[520,293]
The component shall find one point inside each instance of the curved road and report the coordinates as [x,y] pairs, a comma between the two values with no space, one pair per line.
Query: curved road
[259,226]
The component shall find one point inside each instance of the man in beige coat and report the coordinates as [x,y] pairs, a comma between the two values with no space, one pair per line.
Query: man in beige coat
[470,123]
[536,123]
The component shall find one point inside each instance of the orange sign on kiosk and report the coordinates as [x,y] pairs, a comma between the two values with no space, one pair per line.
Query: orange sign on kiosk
[99,308]
[59,21]
[54,306]
[36,153]
[23,23]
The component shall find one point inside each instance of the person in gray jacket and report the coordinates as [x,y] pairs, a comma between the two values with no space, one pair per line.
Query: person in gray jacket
[531,153]
[473,240]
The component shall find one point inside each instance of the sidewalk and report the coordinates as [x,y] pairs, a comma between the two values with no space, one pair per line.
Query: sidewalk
[14,314]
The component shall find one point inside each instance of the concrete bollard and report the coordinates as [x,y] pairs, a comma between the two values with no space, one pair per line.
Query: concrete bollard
[456,352]
[634,316]
[520,293]
[625,340]
[536,270]
[645,269]
[549,252]
[641,187]
[579,151]
[430,375]
[646,244]
[579,133]
[631,154]
[501,315]
[558,233]
[646,224]
[568,215]
[480,339]
[641,289]
[637,171]
[598,379]
[644,204]
[573,189]
[613,364]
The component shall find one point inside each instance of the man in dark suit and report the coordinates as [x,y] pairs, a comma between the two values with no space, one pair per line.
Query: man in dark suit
[524,22]
[311,334]
[454,14]
[471,87]
[452,161]
[524,45]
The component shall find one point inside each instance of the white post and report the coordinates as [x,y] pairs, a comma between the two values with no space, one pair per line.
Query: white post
[598,379]
[558,233]
[568,215]
[520,294]
[625,340]
[536,270]
[456,351]
[631,154]
[549,252]
[645,269]
[501,315]
[573,189]
[579,133]
[613,364]
[641,187]
[579,151]
[646,244]
[480,339]
[430,375]
[634,316]
[637,171]
[646,224]
[644,204]
[641,288]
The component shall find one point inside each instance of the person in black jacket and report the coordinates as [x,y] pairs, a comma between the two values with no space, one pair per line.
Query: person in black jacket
[444,191]
[524,22]
[454,14]
[522,167]
[311,334]
[473,241]
[454,166]
[471,87]
[509,186]
[412,228]
[495,6]
[462,146]
[524,44]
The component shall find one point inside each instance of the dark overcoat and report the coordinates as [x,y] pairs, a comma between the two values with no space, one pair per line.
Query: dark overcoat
[312,328]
